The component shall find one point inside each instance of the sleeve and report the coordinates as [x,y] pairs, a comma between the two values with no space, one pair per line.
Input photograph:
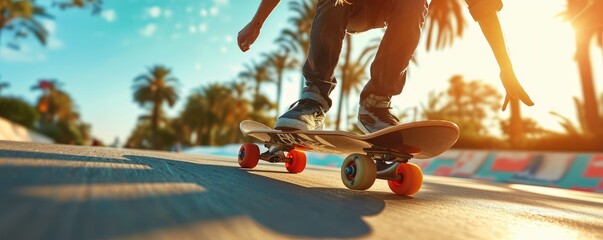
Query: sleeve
[481,8]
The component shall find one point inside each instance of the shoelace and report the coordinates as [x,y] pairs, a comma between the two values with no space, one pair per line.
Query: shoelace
[384,115]
[303,105]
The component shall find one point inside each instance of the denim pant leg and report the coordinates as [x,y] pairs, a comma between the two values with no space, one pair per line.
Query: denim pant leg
[405,19]
[326,40]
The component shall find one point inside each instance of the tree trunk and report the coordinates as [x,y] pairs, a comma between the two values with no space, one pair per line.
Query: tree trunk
[516,125]
[586,78]
[344,74]
[279,88]
[155,124]
[257,89]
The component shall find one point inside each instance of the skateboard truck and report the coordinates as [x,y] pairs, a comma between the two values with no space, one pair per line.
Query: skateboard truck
[387,155]
[275,153]
[388,171]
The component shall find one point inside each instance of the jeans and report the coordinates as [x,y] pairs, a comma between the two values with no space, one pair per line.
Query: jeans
[404,20]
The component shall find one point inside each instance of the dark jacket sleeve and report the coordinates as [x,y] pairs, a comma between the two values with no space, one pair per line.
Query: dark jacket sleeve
[481,8]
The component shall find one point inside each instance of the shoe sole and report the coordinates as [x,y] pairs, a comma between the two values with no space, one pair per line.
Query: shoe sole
[362,127]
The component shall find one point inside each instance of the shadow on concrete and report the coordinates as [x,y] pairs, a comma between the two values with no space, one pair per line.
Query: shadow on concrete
[228,192]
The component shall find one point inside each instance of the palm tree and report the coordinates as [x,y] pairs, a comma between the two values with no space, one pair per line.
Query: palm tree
[54,105]
[586,17]
[3,86]
[242,106]
[211,111]
[258,73]
[353,73]
[280,61]
[195,116]
[468,104]
[58,117]
[182,132]
[298,39]
[21,17]
[444,22]
[154,89]
[96,4]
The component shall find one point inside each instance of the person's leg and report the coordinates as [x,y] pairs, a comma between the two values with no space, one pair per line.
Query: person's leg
[404,20]
[326,38]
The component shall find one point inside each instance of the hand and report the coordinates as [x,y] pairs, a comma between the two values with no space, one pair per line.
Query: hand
[248,35]
[513,89]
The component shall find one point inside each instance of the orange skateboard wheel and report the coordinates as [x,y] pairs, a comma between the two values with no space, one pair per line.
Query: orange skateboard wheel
[411,181]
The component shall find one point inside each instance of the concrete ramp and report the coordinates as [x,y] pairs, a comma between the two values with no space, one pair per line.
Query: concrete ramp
[14,132]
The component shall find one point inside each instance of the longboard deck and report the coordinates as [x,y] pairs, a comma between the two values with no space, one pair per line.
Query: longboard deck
[423,139]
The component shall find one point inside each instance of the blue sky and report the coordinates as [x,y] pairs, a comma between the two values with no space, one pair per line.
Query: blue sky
[97,57]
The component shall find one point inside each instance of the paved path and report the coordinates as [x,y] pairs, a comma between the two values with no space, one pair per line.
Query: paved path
[66,192]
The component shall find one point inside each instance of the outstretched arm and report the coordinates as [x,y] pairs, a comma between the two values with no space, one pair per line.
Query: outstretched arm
[484,12]
[251,31]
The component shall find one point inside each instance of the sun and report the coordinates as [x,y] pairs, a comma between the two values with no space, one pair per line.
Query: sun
[541,44]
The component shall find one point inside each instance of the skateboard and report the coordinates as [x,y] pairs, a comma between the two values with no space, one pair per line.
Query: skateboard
[383,154]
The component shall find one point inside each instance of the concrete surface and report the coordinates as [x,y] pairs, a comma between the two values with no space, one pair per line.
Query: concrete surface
[66,192]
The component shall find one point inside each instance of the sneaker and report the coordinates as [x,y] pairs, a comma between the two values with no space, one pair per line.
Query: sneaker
[305,114]
[374,114]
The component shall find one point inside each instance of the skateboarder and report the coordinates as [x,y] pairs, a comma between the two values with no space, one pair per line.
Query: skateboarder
[404,20]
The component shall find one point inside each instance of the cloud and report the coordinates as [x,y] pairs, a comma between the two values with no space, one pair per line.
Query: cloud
[221,2]
[192,29]
[228,39]
[203,12]
[24,54]
[109,15]
[148,30]
[154,12]
[197,66]
[235,68]
[223,50]
[50,26]
[214,11]
[168,13]
[54,43]
[202,27]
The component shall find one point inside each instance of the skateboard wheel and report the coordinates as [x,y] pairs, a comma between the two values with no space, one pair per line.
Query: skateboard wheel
[411,181]
[298,161]
[358,172]
[249,155]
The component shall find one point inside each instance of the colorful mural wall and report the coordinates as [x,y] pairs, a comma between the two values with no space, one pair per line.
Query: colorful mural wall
[579,171]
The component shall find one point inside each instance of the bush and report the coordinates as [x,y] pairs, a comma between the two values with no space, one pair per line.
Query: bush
[18,111]
[560,142]
[470,140]
[63,133]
